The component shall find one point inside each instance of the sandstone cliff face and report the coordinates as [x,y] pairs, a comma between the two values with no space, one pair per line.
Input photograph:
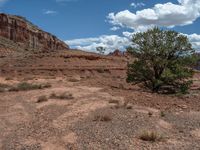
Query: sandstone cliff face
[18,29]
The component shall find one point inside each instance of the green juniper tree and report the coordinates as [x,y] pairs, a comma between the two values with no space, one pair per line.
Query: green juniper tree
[101,50]
[163,60]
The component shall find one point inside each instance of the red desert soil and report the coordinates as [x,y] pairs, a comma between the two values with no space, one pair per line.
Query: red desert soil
[89,105]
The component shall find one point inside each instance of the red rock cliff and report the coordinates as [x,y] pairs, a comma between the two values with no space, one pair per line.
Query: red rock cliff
[18,29]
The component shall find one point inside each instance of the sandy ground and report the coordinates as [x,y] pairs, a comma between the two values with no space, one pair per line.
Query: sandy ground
[70,124]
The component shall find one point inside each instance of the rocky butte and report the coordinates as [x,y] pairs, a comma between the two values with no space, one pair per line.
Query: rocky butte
[19,30]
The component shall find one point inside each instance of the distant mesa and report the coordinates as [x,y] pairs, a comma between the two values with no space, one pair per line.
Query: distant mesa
[18,29]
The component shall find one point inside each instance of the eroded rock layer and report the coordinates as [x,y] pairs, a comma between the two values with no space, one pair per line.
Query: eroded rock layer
[19,30]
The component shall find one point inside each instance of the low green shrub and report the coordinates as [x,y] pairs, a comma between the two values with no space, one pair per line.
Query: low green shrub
[64,95]
[25,86]
[42,98]
[150,136]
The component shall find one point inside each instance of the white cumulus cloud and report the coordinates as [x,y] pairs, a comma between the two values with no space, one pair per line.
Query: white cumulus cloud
[113,42]
[165,15]
[194,40]
[135,5]
[109,42]
[115,28]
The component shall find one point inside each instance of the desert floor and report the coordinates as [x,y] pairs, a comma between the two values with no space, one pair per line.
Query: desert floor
[102,112]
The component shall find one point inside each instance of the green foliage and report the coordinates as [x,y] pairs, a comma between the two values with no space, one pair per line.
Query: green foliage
[101,50]
[184,87]
[162,114]
[164,61]
[4,87]
[24,86]
[63,96]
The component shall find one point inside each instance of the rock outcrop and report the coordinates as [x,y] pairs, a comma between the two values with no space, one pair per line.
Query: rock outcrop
[19,30]
[118,53]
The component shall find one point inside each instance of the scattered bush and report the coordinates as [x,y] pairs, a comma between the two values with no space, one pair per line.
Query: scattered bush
[24,86]
[100,70]
[28,78]
[53,95]
[2,90]
[129,107]
[8,78]
[114,101]
[47,85]
[150,136]
[73,80]
[150,114]
[3,87]
[42,98]
[104,118]
[162,114]
[64,95]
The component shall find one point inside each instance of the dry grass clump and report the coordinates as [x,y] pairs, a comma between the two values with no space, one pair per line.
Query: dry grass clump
[42,98]
[104,118]
[2,90]
[100,70]
[25,86]
[129,107]
[151,136]
[127,104]
[150,114]
[112,101]
[28,78]
[46,85]
[162,114]
[64,95]
[73,80]
[8,78]
[116,104]
[3,87]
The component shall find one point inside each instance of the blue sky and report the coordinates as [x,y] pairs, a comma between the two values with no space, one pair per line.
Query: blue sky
[86,24]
